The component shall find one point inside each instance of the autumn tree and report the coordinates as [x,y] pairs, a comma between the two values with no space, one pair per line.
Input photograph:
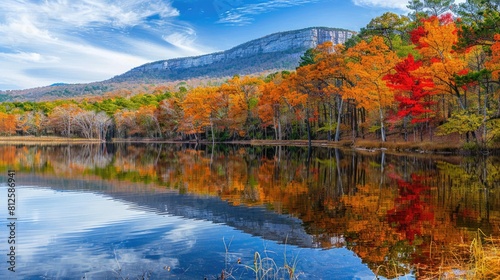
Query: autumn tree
[31,122]
[91,124]
[412,92]
[390,26]
[322,83]
[62,118]
[147,119]
[270,105]
[306,85]
[435,41]
[279,103]
[126,123]
[451,70]
[339,107]
[201,107]
[241,95]
[368,63]
[422,8]
[7,124]
[102,125]
[169,114]
[494,63]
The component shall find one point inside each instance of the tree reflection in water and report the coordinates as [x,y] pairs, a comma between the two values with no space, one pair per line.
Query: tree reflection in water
[398,213]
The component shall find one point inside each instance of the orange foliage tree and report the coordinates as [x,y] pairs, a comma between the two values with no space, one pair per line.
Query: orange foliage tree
[368,63]
[241,95]
[436,40]
[280,104]
[201,107]
[169,114]
[493,64]
[147,119]
[125,122]
[270,105]
[331,68]
[7,124]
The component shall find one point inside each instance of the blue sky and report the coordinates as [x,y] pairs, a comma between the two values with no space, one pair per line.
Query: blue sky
[51,41]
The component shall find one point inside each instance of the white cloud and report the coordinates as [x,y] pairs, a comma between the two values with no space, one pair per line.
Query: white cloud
[23,29]
[87,63]
[391,4]
[43,41]
[183,41]
[243,15]
[83,13]
[397,4]
[28,57]
[56,230]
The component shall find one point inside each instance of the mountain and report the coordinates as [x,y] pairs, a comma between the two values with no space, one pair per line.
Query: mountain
[278,51]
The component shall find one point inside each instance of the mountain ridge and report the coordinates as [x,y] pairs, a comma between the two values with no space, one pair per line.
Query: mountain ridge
[280,51]
[242,45]
[273,52]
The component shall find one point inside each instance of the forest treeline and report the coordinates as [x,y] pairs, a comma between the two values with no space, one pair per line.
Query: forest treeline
[435,71]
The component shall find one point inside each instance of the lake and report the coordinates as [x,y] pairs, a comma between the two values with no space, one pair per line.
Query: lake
[179,211]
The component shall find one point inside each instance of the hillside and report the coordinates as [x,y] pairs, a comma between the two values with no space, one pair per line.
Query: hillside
[278,51]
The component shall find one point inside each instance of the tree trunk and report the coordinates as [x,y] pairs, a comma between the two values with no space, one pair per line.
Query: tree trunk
[276,134]
[308,127]
[330,122]
[339,114]
[212,130]
[405,128]
[382,128]
[278,119]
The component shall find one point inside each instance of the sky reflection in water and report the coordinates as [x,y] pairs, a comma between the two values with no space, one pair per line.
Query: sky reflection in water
[71,234]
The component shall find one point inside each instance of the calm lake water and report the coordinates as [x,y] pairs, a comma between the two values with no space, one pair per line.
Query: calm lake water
[194,212]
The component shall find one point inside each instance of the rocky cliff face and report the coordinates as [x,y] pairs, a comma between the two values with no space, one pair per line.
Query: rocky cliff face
[273,52]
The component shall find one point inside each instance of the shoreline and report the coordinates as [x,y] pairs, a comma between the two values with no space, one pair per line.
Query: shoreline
[361,145]
[41,140]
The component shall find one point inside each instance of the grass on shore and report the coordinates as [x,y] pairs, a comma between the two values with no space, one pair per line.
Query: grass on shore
[263,267]
[485,258]
[478,260]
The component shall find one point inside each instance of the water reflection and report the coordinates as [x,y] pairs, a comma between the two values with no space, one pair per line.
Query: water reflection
[75,234]
[391,211]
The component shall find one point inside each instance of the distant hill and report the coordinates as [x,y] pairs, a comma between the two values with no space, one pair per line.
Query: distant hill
[58,84]
[278,51]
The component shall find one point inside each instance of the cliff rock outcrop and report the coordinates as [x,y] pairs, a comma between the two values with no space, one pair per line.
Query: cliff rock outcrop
[278,51]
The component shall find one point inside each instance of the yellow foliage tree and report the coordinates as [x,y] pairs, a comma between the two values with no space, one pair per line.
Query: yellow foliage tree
[435,41]
[242,95]
[201,108]
[368,63]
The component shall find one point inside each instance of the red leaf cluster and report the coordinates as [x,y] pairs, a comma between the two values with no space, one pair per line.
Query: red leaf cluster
[412,91]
